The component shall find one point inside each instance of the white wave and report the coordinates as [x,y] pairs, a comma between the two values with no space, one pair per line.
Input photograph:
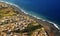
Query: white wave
[54,24]
[31,15]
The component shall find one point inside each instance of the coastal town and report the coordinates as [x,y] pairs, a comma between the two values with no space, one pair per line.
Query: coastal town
[13,23]
[17,23]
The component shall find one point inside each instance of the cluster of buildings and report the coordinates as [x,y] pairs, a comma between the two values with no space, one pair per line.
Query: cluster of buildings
[18,22]
[13,34]
[3,5]
[15,22]
[39,32]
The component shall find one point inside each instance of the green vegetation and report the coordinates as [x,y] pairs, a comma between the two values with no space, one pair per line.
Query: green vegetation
[30,29]
[3,14]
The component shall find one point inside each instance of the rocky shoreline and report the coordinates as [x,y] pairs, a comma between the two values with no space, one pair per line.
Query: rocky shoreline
[50,29]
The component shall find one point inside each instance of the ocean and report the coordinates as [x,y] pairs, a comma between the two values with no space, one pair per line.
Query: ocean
[45,9]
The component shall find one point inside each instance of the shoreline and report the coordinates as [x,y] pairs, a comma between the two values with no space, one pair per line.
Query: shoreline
[31,15]
[39,20]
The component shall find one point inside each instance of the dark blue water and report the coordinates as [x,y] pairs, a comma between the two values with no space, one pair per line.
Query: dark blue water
[50,9]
